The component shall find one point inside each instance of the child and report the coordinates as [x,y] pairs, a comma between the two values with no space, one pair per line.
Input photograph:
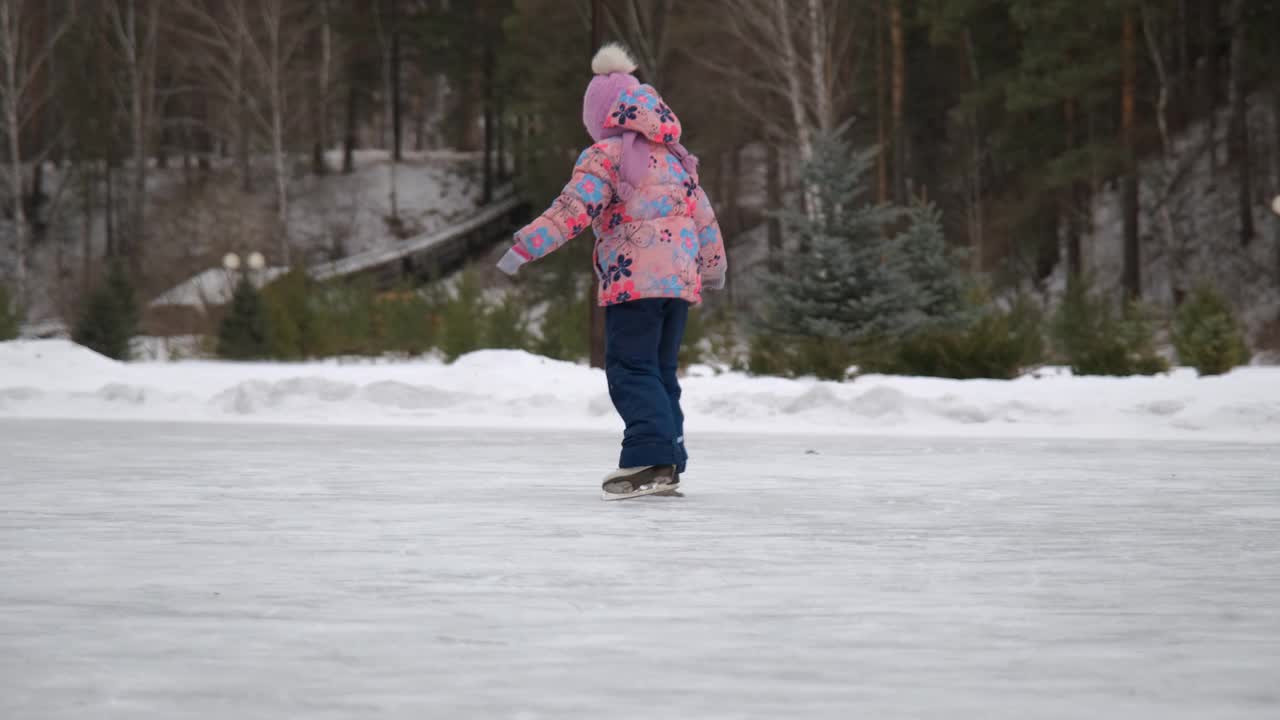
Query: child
[657,246]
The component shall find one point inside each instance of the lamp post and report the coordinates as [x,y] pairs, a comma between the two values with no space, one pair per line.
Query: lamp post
[253,263]
[256,263]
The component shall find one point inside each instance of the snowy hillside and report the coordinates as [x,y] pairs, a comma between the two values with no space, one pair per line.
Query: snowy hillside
[331,216]
[507,389]
[1192,236]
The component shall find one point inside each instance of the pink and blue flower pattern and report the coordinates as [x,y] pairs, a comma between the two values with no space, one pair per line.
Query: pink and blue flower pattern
[662,242]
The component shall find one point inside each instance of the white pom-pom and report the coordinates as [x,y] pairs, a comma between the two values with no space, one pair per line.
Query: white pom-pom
[612,58]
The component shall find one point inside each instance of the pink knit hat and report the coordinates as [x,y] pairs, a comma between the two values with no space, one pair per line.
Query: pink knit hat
[613,69]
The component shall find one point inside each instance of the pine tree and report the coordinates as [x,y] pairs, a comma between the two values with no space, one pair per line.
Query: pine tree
[853,279]
[933,272]
[243,335]
[1207,334]
[464,318]
[506,326]
[109,319]
[9,318]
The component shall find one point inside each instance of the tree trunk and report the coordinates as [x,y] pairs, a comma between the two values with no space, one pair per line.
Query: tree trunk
[349,137]
[276,71]
[734,191]
[1132,250]
[396,131]
[204,136]
[1173,238]
[112,251]
[15,172]
[420,118]
[733,227]
[818,66]
[137,43]
[898,95]
[882,111]
[1210,78]
[241,109]
[487,112]
[88,179]
[977,216]
[795,89]
[1238,130]
[1070,209]
[391,86]
[773,190]
[318,163]
[500,126]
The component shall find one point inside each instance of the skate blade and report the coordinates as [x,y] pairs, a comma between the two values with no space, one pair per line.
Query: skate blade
[651,490]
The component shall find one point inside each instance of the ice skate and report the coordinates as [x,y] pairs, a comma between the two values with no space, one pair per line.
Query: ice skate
[626,483]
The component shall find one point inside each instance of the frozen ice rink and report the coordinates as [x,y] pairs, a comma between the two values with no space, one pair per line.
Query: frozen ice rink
[153,570]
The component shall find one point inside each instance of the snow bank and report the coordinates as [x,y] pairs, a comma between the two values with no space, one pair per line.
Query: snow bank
[508,389]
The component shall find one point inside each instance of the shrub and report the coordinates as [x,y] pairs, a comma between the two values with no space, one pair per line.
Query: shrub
[109,318]
[243,334]
[996,344]
[792,356]
[290,318]
[463,316]
[1094,340]
[9,316]
[695,331]
[343,317]
[506,324]
[565,327]
[1207,335]
[405,322]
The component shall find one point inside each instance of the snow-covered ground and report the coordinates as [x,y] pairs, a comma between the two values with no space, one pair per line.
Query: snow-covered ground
[234,571]
[515,390]
[336,214]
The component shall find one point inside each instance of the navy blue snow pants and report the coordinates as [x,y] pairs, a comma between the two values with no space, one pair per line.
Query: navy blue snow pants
[641,358]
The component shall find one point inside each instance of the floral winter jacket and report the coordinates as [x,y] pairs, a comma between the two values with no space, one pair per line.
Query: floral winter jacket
[662,241]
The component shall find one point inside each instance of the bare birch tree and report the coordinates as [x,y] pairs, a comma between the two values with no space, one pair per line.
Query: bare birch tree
[252,48]
[646,28]
[798,53]
[135,27]
[25,54]
[388,40]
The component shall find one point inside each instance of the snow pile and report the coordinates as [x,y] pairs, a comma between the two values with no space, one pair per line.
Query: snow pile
[516,390]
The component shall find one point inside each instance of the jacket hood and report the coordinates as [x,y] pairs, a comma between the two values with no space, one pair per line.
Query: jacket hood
[640,109]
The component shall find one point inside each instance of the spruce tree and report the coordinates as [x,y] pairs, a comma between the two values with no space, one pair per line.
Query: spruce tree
[853,278]
[243,335]
[936,289]
[838,284]
[109,319]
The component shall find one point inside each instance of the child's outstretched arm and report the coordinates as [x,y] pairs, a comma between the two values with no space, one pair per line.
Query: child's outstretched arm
[713,262]
[588,193]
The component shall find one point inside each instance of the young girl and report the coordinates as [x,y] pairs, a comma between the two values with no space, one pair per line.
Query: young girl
[657,246]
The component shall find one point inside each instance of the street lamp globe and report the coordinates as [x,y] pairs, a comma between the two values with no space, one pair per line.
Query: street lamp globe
[231,261]
[256,261]
[1275,205]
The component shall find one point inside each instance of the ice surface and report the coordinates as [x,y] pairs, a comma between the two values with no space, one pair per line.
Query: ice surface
[517,391]
[270,571]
